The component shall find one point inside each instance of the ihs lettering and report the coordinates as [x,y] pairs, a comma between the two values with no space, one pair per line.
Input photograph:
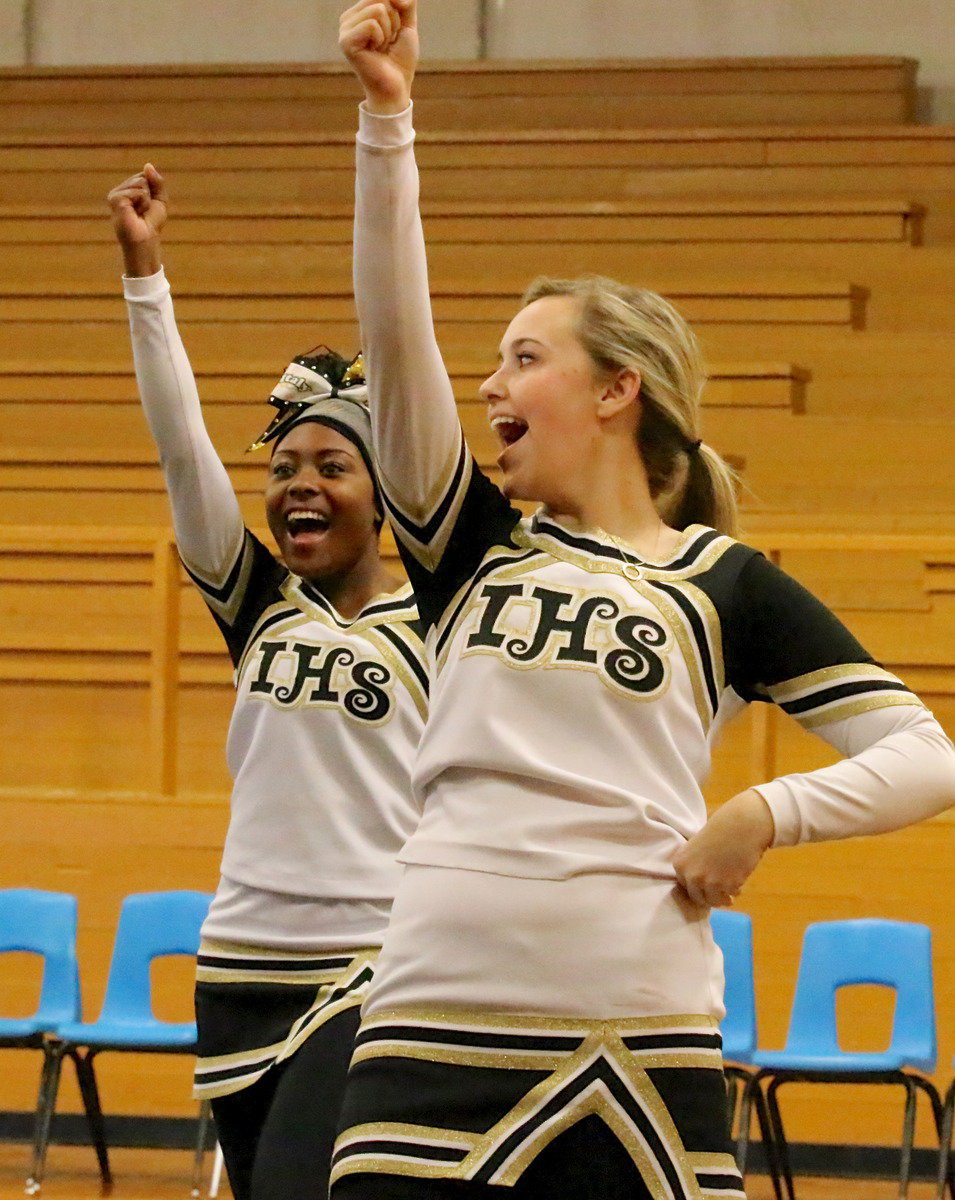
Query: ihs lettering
[564,627]
[316,679]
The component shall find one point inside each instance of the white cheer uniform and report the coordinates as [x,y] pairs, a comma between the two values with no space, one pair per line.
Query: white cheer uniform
[576,696]
[545,1008]
[327,717]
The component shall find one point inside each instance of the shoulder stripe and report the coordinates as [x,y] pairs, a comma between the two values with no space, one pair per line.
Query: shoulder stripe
[413,654]
[840,692]
[271,617]
[226,599]
[701,639]
[698,544]
[810,684]
[835,693]
[853,706]
[427,540]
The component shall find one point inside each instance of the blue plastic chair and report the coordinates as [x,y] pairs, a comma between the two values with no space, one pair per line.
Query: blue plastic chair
[151,925]
[733,933]
[837,954]
[44,923]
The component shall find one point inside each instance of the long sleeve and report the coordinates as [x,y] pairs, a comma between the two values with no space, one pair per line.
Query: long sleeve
[785,646]
[205,511]
[900,769]
[417,434]
[445,512]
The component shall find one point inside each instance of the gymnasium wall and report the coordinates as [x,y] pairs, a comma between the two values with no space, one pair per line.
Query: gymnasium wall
[60,32]
[814,257]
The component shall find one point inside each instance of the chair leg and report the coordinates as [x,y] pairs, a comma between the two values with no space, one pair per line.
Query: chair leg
[770,1148]
[908,1137]
[778,1136]
[750,1095]
[89,1090]
[745,1118]
[46,1102]
[205,1111]
[945,1171]
[732,1098]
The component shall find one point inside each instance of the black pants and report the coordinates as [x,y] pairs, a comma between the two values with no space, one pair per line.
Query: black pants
[586,1162]
[277,1134]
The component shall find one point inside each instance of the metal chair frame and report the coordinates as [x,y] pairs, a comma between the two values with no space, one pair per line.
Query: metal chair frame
[842,953]
[150,926]
[946,1168]
[44,923]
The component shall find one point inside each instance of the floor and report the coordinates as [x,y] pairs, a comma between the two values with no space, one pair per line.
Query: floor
[166,1175]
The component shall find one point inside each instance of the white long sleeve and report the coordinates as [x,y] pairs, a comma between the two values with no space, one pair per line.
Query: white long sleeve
[900,769]
[418,440]
[205,512]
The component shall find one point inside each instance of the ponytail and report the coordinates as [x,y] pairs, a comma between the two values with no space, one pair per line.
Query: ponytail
[708,494]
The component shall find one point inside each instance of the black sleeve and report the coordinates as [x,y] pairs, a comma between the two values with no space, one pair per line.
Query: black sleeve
[252,585]
[484,519]
[781,644]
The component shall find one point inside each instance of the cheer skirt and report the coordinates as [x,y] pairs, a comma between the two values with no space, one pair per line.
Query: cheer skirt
[477,1096]
[255,1007]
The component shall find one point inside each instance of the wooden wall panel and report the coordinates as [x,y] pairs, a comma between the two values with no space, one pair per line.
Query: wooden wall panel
[47,746]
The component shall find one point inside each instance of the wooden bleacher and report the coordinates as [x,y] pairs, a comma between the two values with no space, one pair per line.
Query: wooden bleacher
[711,163]
[790,207]
[449,221]
[651,93]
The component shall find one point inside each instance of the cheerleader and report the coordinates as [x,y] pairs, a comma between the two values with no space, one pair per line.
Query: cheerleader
[331,693]
[544,1016]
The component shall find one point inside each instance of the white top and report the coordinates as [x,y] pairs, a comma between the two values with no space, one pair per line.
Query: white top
[578,691]
[328,711]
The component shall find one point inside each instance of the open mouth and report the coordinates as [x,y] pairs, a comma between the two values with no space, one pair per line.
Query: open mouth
[303,520]
[509,429]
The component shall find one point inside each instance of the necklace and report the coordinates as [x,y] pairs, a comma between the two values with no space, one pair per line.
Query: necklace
[633,568]
[630,567]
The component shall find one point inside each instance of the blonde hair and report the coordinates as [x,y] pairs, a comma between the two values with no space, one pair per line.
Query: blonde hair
[622,327]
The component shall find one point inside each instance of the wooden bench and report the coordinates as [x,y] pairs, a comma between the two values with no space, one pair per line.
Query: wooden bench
[470,284]
[216,170]
[604,93]
[453,222]
[77,429]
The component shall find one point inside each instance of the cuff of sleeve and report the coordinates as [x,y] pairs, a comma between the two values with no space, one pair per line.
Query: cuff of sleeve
[785,812]
[146,287]
[383,132]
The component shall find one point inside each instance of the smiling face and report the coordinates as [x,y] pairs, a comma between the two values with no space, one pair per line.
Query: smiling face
[320,503]
[542,403]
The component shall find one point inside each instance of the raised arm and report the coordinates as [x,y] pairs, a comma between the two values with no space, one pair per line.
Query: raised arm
[206,515]
[423,466]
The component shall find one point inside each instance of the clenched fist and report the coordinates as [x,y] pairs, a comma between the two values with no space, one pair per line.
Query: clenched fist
[715,862]
[139,208]
[380,40]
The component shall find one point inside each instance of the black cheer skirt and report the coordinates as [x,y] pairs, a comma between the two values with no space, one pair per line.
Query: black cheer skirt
[255,1007]
[483,1098]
